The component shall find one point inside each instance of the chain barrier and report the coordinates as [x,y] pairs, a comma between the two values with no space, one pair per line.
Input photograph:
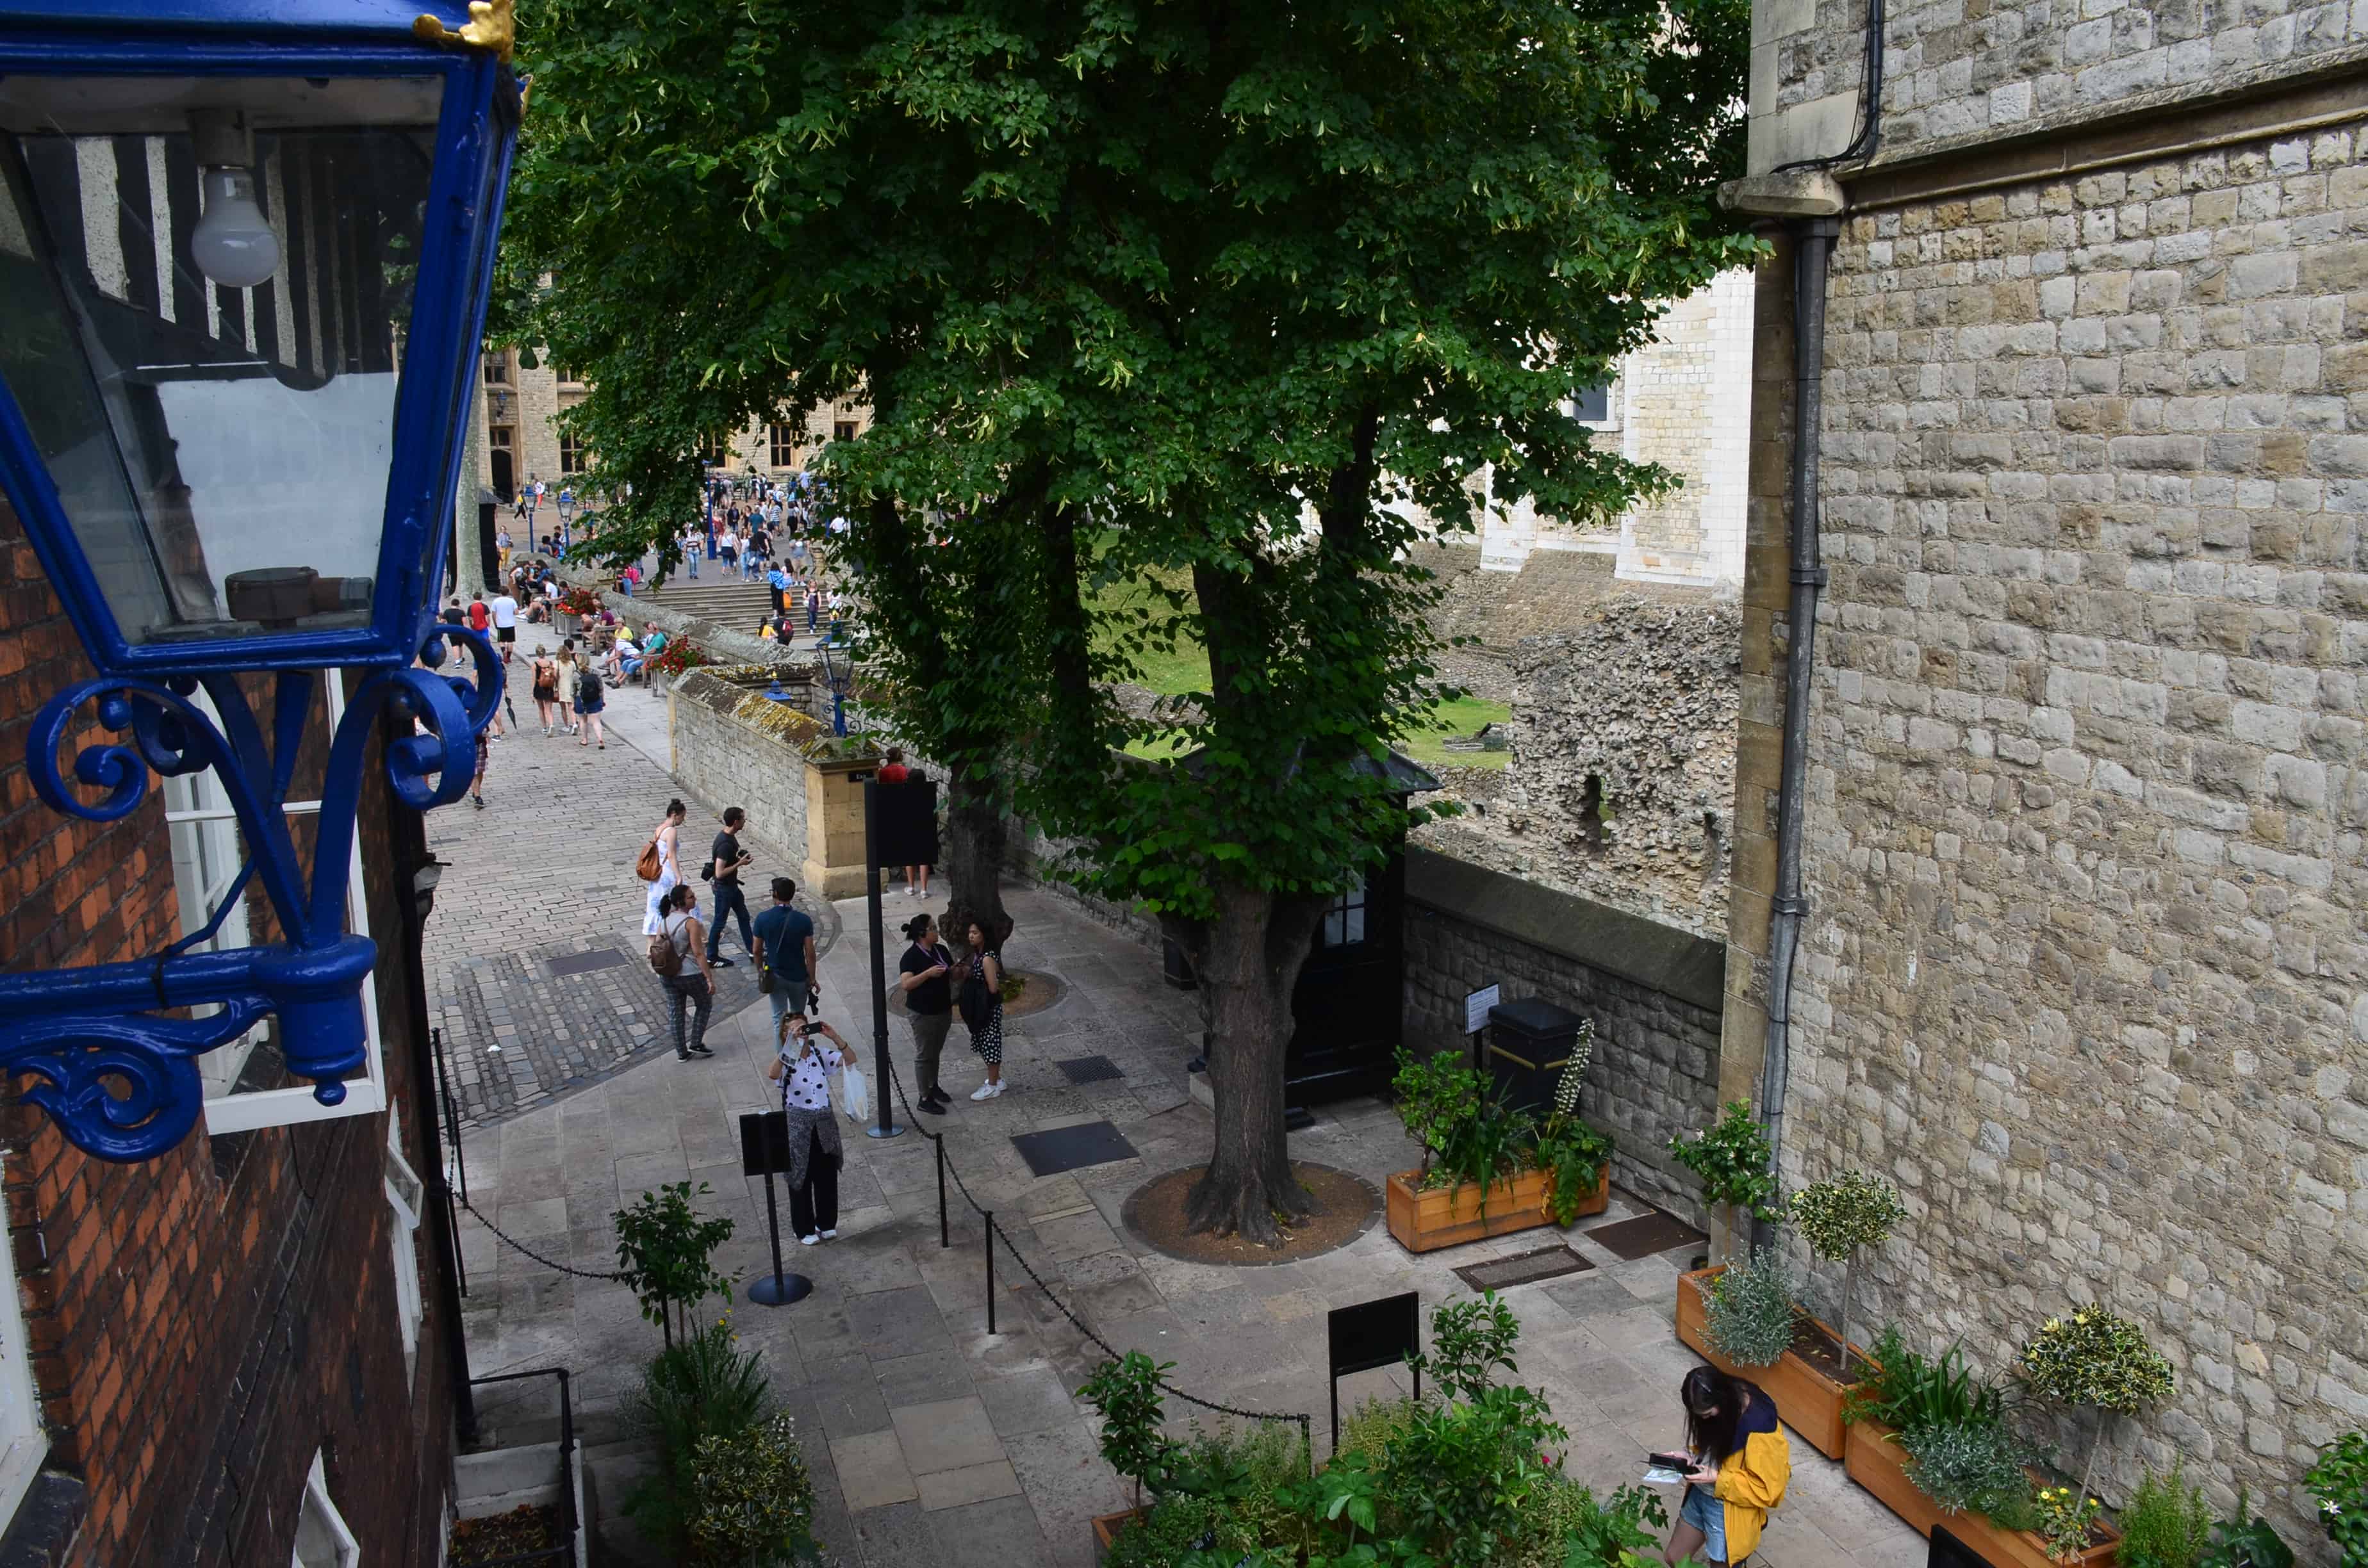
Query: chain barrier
[517,1245]
[1306,1422]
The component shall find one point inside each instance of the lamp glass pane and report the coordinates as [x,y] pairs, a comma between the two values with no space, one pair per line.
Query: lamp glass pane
[205,287]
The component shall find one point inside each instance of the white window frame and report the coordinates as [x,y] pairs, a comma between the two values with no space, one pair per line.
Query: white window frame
[319,1508]
[405,1196]
[229,1112]
[24,1440]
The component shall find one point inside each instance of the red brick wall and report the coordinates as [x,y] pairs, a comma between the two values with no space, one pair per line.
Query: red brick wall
[197,1336]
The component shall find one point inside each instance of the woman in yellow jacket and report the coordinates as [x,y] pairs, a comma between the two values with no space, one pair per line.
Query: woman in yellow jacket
[1741,1463]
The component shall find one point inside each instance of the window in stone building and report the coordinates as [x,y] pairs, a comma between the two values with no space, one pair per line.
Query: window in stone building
[245,1085]
[1593,406]
[321,1539]
[714,449]
[497,367]
[1594,812]
[23,1443]
[1344,923]
[568,377]
[785,444]
[842,430]
[405,1195]
[571,453]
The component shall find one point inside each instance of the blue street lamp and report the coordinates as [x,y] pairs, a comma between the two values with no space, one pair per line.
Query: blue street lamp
[245,252]
[838,673]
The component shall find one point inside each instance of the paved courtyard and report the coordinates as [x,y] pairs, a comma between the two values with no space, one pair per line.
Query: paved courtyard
[934,1441]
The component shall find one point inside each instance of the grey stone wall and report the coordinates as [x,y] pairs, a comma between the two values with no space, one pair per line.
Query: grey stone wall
[2087,948]
[1622,783]
[1653,993]
[725,762]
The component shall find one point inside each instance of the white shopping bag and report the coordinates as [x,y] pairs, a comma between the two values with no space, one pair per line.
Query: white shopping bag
[855,1095]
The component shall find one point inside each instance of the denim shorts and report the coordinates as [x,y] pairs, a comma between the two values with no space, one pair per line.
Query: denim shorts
[1708,1515]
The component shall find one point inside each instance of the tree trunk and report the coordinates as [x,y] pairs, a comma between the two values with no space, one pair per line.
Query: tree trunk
[1248,961]
[973,855]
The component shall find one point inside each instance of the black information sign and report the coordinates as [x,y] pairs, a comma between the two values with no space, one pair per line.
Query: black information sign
[764,1143]
[1373,1334]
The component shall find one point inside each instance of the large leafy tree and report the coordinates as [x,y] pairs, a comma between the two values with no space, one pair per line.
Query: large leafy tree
[1210,299]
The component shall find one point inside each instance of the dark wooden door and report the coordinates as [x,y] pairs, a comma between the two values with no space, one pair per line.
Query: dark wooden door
[1347,1013]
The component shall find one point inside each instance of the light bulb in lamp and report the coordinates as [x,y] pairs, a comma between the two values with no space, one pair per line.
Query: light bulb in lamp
[233,244]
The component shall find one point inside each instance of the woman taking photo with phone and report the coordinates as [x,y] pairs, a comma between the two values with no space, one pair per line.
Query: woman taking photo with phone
[811,1054]
[1737,1464]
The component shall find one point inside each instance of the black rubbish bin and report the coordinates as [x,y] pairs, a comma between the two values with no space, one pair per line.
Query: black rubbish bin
[1529,1040]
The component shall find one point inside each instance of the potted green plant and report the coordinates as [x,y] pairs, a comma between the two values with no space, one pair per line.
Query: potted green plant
[1479,1175]
[2166,1523]
[1126,1392]
[665,1253]
[1839,1219]
[2340,1481]
[1575,1156]
[2097,1359]
[1735,1164]
[751,1498]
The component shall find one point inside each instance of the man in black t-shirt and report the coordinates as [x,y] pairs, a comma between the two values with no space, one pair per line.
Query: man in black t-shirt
[724,859]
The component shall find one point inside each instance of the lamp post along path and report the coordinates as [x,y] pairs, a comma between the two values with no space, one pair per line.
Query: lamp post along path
[236,463]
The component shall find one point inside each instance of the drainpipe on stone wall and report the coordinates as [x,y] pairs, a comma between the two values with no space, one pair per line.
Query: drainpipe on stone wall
[1813,245]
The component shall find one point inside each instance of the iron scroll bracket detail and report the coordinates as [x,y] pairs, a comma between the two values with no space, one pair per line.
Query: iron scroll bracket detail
[111,1044]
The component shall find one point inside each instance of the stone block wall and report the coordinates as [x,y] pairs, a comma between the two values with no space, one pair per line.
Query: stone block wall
[1687,398]
[1621,787]
[1954,71]
[1653,995]
[2088,818]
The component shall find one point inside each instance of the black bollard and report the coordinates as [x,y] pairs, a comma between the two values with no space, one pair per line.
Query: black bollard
[990,1271]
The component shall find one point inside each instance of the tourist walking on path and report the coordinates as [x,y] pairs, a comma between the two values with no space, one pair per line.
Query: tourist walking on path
[694,986]
[922,976]
[981,974]
[724,859]
[545,676]
[564,683]
[590,702]
[667,836]
[810,1053]
[785,952]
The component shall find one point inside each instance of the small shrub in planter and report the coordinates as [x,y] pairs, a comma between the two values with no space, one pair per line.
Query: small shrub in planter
[1126,1394]
[2248,1542]
[1842,1218]
[2166,1523]
[2093,1357]
[679,654]
[666,1251]
[1748,1315]
[752,1501]
[2340,1481]
[1733,1159]
[701,1388]
[1473,1138]
[2068,1522]
[1977,1468]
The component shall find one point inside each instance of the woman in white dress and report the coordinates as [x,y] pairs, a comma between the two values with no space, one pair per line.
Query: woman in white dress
[669,868]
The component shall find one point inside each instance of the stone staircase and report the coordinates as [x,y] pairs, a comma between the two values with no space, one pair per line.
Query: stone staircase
[726,602]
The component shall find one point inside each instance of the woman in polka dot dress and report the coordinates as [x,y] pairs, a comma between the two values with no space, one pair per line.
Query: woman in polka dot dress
[982,1004]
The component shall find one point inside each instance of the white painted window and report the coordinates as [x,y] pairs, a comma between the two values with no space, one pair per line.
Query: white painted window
[405,1193]
[321,1539]
[23,1441]
[207,854]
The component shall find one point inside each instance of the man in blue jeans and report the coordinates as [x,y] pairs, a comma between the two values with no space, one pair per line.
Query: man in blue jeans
[726,857]
[785,944]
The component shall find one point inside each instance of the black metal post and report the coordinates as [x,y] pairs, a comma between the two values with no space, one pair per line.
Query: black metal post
[880,1078]
[944,1241]
[990,1271]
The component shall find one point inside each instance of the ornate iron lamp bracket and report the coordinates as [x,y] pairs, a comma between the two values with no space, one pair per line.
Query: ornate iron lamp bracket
[80,1029]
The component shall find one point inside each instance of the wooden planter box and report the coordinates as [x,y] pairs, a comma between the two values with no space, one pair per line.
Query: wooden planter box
[1809,1401]
[1425,1218]
[1107,1528]
[1876,1463]
[1595,1202]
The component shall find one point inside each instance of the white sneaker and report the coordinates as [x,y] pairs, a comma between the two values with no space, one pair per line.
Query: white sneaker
[986,1091]
[808,1241]
[830,1236]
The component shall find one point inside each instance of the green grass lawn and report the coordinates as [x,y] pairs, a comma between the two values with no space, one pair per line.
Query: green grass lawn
[1186,669]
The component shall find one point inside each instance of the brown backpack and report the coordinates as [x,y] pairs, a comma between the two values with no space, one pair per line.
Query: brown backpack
[666,959]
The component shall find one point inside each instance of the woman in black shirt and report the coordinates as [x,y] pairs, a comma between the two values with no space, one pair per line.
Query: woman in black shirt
[928,1003]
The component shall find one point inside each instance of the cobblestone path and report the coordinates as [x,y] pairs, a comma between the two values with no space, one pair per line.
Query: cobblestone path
[534,955]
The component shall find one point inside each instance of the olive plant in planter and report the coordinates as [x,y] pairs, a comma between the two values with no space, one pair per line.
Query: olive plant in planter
[1839,1219]
[1744,1318]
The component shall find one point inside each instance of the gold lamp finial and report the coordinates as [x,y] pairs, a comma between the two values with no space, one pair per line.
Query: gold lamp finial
[491,25]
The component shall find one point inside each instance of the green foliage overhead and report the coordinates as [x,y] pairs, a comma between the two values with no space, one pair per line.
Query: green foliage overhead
[2095,1358]
[1855,1209]
[1224,287]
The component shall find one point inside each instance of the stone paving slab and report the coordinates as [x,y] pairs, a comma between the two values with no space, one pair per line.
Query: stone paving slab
[933,1442]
